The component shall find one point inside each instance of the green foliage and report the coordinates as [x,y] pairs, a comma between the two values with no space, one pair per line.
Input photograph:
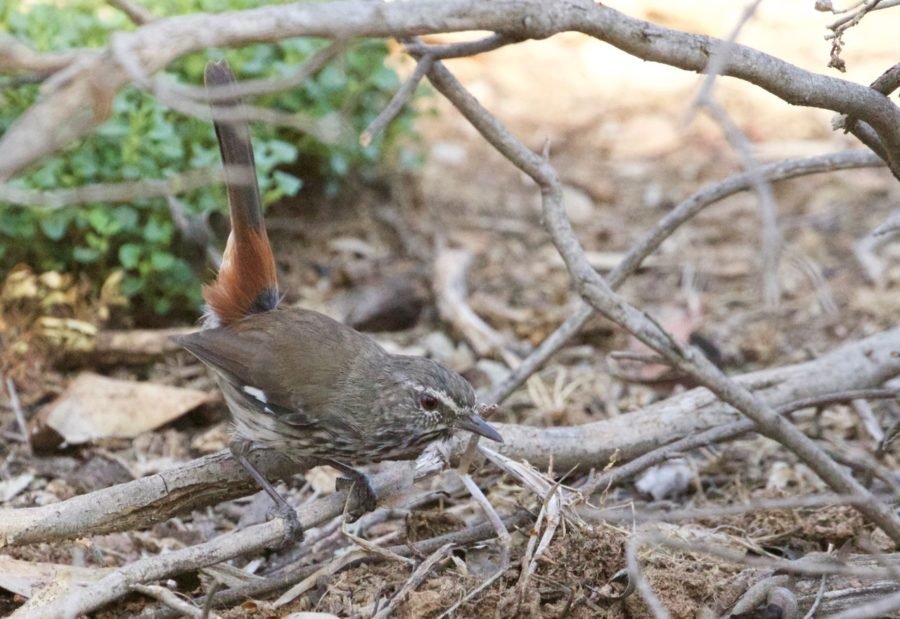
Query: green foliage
[143,139]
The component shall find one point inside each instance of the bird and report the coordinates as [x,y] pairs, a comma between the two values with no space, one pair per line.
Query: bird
[297,381]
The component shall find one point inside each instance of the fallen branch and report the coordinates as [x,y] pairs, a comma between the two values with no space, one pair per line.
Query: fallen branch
[127,346]
[216,478]
[598,293]
[652,240]
[717,434]
[450,269]
[253,539]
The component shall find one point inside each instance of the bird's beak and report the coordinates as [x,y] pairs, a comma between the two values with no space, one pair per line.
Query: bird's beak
[476,424]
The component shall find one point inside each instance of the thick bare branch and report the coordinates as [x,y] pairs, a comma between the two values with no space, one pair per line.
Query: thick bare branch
[651,241]
[17,57]
[128,191]
[596,291]
[81,100]
[215,478]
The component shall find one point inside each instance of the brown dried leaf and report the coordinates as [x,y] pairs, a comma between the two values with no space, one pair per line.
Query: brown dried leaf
[99,407]
[27,577]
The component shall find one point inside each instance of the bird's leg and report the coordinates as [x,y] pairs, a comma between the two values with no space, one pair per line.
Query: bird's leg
[359,484]
[294,530]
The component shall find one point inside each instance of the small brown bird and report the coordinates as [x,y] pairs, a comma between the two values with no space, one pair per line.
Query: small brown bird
[299,382]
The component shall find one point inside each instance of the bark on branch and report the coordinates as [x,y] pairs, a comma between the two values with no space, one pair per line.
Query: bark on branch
[79,97]
[215,478]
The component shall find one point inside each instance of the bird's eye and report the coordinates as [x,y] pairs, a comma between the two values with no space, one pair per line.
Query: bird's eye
[428,401]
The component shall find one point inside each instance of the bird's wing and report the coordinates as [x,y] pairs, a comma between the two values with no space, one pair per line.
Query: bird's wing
[291,363]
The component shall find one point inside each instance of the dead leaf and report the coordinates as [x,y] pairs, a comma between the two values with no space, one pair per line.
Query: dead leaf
[20,284]
[668,480]
[67,333]
[11,487]
[26,577]
[96,407]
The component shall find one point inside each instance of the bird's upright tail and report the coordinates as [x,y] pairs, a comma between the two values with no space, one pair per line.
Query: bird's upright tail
[246,282]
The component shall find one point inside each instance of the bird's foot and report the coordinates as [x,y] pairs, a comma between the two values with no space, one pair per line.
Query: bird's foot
[363,497]
[293,530]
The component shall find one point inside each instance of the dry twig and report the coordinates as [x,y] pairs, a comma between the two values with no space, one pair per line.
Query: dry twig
[403,94]
[171,599]
[218,477]
[450,269]
[416,578]
[16,405]
[117,192]
[81,101]
[651,241]
[598,293]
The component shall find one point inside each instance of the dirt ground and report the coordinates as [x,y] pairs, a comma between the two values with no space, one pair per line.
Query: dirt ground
[627,153]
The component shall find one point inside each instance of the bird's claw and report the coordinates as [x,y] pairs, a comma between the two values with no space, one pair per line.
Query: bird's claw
[293,530]
[364,499]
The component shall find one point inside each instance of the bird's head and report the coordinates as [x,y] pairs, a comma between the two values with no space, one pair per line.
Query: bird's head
[437,400]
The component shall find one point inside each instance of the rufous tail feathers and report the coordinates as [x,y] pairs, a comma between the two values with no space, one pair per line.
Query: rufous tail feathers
[246,282]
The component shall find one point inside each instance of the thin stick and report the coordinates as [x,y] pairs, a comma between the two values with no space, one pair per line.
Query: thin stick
[550,507]
[400,98]
[371,547]
[490,513]
[135,12]
[636,578]
[718,61]
[870,423]
[596,290]
[883,607]
[127,191]
[451,266]
[458,50]
[890,227]
[475,592]
[721,433]
[768,208]
[413,582]
[210,596]
[16,405]
[255,87]
[171,599]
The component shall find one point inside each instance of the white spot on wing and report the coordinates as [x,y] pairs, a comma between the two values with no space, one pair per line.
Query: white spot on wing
[259,394]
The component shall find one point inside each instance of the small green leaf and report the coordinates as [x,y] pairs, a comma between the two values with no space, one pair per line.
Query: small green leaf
[132,285]
[157,232]
[85,255]
[161,261]
[100,220]
[162,306]
[339,164]
[126,216]
[55,224]
[287,184]
[130,255]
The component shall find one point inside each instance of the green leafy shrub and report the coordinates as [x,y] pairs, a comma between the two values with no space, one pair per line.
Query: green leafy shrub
[144,139]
